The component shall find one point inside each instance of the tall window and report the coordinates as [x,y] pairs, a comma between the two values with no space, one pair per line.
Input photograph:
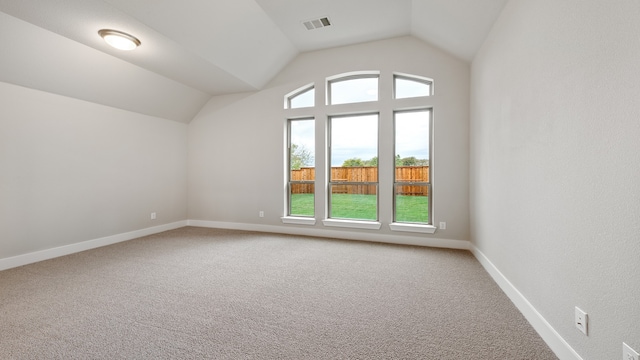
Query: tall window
[302,174]
[357,125]
[353,179]
[412,152]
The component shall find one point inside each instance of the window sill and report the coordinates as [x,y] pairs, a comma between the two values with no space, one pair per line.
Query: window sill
[370,225]
[425,229]
[298,220]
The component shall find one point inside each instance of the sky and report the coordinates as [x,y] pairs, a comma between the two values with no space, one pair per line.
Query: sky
[357,136]
[354,137]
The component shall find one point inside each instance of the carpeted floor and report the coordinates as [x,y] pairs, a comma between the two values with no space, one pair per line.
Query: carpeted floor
[197,293]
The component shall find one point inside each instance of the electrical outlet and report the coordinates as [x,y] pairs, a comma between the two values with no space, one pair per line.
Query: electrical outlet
[443,225]
[628,353]
[581,321]
[153,216]
[261,213]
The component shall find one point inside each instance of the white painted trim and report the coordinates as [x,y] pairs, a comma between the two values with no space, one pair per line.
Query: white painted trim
[558,345]
[553,339]
[297,220]
[425,229]
[354,224]
[20,260]
[336,234]
[25,259]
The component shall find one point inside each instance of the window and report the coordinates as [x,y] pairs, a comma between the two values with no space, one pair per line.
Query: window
[353,89]
[302,175]
[367,141]
[304,97]
[405,86]
[411,183]
[353,179]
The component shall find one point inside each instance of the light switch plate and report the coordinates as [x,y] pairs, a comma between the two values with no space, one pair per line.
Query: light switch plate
[581,321]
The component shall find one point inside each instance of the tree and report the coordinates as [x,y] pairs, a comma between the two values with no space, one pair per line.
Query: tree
[372,162]
[359,162]
[411,161]
[300,157]
[353,162]
[407,161]
[422,162]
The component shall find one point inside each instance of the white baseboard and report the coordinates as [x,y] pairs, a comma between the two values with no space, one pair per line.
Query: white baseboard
[558,345]
[29,258]
[337,234]
[15,261]
[553,339]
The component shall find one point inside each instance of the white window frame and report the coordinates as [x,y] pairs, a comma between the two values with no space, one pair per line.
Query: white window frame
[297,219]
[386,105]
[415,78]
[331,183]
[417,183]
[351,76]
[299,91]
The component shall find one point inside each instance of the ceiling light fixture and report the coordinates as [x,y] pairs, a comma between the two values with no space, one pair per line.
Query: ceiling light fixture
[119,40]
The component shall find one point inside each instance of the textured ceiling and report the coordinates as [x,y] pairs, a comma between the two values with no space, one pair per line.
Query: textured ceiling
[216,47]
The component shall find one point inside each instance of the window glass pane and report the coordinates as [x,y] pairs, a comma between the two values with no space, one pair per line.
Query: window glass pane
[354,142]
[353,90]
[302,149]
[412,203]
[302,201]
[354,159]
[411,189]
[412,141]
[407,88]
[302,167]
[304,99]
[358,202]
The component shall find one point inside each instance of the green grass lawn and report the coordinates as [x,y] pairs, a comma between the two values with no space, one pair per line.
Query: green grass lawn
[302,204]
[412,209]
[363,207]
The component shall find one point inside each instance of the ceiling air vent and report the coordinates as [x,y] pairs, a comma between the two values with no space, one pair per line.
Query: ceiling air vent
[317,23]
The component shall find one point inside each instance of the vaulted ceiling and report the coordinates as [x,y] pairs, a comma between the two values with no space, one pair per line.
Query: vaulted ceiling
[193,49]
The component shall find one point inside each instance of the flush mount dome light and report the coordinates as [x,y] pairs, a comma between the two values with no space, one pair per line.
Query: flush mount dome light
[119,39]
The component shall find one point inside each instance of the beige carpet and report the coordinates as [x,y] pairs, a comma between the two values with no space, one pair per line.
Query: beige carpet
[196,293]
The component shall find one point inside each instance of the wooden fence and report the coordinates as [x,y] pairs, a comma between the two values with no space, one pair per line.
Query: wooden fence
[362,174]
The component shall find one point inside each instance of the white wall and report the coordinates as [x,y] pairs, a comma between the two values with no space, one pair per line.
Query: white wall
[72,171]
[236,143]
[555,171]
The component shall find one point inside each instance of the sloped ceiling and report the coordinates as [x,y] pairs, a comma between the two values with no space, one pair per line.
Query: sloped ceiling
[194,49]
